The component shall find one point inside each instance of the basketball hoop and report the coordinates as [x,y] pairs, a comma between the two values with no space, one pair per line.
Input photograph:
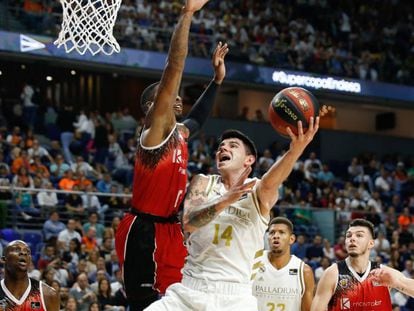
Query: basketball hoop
[87,25]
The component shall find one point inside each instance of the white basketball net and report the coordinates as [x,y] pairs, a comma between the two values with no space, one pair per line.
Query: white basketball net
[88,26]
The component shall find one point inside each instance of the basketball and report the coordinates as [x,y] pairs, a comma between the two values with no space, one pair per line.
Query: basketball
[291,105]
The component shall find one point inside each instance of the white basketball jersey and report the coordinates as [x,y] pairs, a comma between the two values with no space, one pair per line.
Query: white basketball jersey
[225,248]
[279,290]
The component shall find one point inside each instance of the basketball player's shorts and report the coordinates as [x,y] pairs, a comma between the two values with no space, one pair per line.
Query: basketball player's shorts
[194,294]
[151,253]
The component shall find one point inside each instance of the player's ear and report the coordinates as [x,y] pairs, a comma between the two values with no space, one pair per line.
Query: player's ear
[292,238]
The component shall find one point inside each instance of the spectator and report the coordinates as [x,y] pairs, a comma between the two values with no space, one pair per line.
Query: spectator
[299,247]
[68,234]
[93,222]
[325,263]
[47,200]
[339,249]
[72,255]
[53,226]
[68,181]
[74,204]
[105,299]
[89,240]
[48,257]
[38,150]
[82,293]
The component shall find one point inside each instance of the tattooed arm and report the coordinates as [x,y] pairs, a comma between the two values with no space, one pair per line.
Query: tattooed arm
[199,211]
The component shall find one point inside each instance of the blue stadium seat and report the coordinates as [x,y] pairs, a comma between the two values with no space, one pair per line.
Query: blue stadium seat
[9,235]
[32,239]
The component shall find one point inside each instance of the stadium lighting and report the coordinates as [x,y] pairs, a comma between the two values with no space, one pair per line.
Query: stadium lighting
[1,72]
[73,72]
[49,78]
[23,66]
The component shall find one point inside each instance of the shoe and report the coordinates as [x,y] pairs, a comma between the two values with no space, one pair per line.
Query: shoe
[26,217]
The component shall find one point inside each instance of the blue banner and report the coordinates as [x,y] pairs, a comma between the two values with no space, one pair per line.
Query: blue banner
[236,72]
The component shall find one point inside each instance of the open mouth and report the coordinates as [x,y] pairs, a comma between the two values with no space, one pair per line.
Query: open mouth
[22,262]
[224,158]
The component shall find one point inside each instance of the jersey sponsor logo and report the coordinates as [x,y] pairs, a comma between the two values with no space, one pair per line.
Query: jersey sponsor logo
[345,304]
[293,271]
[35,305]
[287,291]
[177,156]
[241,214]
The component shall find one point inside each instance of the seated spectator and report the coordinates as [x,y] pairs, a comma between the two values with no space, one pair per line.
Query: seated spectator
[104,296]
[91,203]
[22,160]
[58,168]
[82,293]
[83,182]
[48,257]
[325,176]
[67,235]
[37,168]
[39,151]
[299,247]
[325,263]
[89,240]
[71,304]
[24,205]
[23,179]
[15,137]
[68,181]
[328,250]
[314,251]
[53,226]
[405,219]
[104,184]
[339,249]
[74,204]
[95,277]
[64,296]
[72,255]
[82,166]
[47,200]
[93,222]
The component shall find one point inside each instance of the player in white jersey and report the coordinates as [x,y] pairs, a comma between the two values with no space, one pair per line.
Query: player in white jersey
[225,217]
[282,282]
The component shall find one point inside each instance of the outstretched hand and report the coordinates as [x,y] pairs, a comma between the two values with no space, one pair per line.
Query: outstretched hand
[239,188]
[219,54]
[300,141]
[194,5]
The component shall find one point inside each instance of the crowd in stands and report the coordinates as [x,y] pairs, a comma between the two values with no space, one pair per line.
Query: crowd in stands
[370,40]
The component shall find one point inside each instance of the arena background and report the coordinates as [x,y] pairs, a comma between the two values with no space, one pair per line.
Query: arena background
[371,117]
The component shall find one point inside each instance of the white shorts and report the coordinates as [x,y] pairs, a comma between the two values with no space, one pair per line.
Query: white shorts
[199,295]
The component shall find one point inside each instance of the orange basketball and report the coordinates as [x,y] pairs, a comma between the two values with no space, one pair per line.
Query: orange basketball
[291,105]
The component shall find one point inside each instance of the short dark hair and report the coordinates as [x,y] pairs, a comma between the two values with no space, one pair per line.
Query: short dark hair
[282,220]
[251,147]
[148,96]
[360,222]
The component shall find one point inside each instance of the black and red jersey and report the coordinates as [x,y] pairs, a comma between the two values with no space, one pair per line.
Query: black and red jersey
[160,176]
[32,299]
[355,292]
